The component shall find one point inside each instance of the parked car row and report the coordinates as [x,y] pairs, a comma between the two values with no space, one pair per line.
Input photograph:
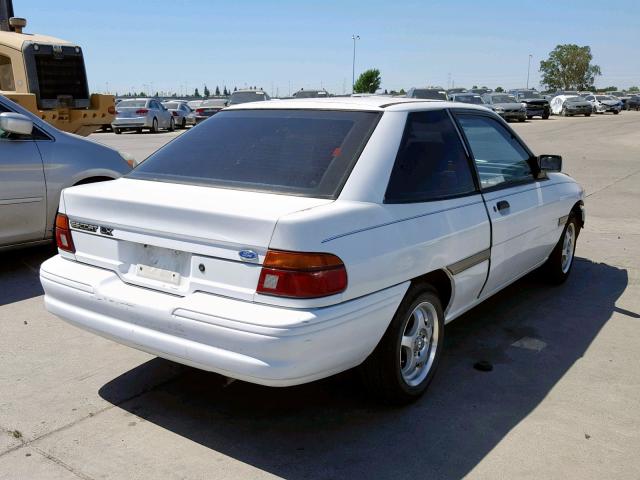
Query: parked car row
[152,114]
[521,104]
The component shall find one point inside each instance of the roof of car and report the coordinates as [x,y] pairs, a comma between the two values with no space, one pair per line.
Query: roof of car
[370,103]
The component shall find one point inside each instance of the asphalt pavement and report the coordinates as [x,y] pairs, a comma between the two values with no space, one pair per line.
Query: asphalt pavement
[562,399]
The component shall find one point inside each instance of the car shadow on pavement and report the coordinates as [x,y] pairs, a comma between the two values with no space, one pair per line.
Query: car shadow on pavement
[19,275]
[332,429]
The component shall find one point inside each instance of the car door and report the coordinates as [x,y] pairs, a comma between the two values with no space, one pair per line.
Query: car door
[512,196]
[22,190]
[442,218]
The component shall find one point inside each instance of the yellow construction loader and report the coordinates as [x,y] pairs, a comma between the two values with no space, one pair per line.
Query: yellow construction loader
[47,76]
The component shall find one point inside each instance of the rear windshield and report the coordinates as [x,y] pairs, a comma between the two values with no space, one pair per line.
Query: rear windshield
[429,94]
[246,97]
[171,105]
[475,99]
[503,99]
[132,104]
[298,152]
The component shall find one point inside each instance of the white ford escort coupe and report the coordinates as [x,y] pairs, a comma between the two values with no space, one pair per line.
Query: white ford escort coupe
[283,242]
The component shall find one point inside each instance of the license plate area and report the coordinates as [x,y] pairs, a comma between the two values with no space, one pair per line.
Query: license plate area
[158,274]
[156,267]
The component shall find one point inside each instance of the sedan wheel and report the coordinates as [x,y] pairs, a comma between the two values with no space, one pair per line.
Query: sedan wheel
[403,364]
[558,265]
[184,123]
[154,126]
[172,125]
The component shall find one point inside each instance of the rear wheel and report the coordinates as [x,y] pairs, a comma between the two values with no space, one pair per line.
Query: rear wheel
[545,115]
[558,265]
[563,112]
[154,125]
[117,131]
[403,364]
[172,125]
[587,114]
[184,123]
[529,117]
[615,112]
[521,119]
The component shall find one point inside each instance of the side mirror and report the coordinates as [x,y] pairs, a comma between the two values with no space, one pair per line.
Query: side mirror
[12,122]
[550,163]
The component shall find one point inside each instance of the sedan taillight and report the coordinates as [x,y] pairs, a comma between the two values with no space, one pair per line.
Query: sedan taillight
[63,234]
[174,113]
[301,275]
[142,111]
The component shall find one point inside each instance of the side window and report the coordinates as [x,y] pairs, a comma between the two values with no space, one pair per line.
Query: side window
[431,162]
[499,157]
[6,74]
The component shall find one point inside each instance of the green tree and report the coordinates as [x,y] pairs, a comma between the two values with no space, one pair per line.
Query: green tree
[157,94]
[235,89]
[217,91]
[402,92]
[224,91]
[196,93]
[474,87]
[569,67]
[368,81]
[141,94]
[499,90]
[206,92]
[609,89]
[634,89]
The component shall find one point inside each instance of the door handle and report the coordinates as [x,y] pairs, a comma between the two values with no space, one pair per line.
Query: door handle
[502,205]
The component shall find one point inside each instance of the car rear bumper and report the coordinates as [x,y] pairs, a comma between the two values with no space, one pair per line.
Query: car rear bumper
[130,123]
[257,343]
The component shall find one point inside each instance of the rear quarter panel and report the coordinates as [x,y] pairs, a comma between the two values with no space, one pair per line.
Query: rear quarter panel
[69,160]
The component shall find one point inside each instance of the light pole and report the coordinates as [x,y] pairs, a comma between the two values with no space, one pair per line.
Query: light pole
[528,70]
[353,67]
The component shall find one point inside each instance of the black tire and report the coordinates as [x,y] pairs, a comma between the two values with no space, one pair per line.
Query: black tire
[172,124]
[529,117]
[382,373]
[563,112]
[616,112]
[138,130]
[555,270]
[184,123]
[587,114]
[545,116]
[117,131]
[154,126]
[522,119]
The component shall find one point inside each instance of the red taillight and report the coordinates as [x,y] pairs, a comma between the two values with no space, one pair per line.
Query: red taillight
[63,234]
[302,275]
[111,109]
[199,110]
[175,114]
[142,111]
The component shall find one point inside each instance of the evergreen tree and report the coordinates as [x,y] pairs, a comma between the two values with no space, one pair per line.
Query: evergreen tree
[206,92]
[196,93]
[217,91]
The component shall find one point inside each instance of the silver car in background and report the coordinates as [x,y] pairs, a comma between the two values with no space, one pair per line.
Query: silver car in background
[209,108]
[142,113]
[182,114]
[246,96]
[37,161]
[506,106]
[468,97]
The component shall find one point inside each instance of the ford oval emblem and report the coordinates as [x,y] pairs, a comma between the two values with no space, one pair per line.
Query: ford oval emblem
[248,255]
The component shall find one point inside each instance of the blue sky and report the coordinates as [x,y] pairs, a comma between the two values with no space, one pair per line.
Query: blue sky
[180,44]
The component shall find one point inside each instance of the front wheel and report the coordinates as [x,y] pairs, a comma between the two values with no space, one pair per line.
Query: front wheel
[154,126]
[587,114]
[615,112]
[172,125]
[403,364]
[545,116]
[184,123]
[117,131]
[558,265]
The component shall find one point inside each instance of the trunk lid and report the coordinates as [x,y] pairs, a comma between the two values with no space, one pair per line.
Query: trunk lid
[177,238]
